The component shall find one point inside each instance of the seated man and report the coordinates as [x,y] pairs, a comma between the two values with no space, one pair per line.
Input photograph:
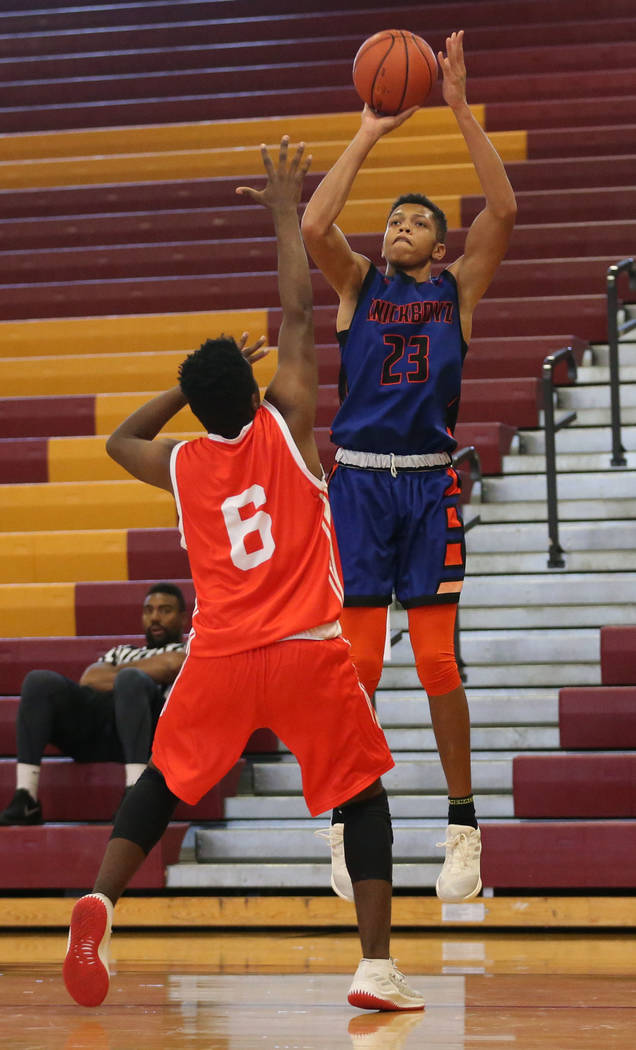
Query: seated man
[110,716]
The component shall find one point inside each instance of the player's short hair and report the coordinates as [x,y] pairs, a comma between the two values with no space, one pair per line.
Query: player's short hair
[441,225]
[218,383]
[163,587]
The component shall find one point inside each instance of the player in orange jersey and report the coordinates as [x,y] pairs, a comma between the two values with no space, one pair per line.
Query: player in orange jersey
[265,647]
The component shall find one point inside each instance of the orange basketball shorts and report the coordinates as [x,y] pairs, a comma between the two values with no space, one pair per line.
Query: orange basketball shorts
[307,692]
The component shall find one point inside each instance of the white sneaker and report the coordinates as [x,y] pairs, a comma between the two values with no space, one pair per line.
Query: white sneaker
[86,974]
[378,985]
[460,878]
[340,878]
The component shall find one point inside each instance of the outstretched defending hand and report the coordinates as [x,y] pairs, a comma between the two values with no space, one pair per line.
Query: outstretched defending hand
[453,69]
[284,184]
[254,352]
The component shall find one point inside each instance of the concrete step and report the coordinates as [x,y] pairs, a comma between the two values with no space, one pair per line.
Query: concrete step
[596,485]
[626,354]
[549,589]
[566,462]
[488,738]
[528,537]
[594,396]
[528,707]
[531,675]
[424,807]
[595,415]
[491,773]
[290,876]
[575,438]
[295,841]
[506,648]
[575,561]
[598,374]
[530,510]
[524,617]
[421,739]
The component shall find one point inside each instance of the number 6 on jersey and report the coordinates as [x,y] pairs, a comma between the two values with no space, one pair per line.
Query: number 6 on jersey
[238,528]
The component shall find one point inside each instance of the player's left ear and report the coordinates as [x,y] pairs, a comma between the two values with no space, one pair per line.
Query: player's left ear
[439,251]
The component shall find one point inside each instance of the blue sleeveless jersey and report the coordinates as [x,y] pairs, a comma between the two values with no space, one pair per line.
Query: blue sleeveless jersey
[401,365]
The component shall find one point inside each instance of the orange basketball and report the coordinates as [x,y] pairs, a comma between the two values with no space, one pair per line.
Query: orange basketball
[393,70]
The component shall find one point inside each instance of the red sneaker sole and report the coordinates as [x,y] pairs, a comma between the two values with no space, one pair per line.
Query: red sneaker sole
[85,976]
[365,1001]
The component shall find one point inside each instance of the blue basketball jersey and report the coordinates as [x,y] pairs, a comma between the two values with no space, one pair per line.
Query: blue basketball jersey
[402,361]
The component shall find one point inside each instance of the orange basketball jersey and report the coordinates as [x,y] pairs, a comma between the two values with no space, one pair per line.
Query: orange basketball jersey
[257,527]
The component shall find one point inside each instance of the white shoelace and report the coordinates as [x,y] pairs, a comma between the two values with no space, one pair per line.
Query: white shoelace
[325,833]
[461,848]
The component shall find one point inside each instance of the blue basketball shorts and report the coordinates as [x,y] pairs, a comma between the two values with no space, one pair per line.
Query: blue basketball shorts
[401,535]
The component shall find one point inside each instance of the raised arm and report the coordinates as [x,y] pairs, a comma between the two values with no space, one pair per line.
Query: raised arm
[132,444]
[489,235]
[294,388]
[344,269]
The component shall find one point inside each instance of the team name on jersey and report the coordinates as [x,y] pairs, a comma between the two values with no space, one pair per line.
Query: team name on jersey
[418,312]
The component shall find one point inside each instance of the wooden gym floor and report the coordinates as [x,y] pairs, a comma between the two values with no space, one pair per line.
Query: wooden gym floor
[276,989]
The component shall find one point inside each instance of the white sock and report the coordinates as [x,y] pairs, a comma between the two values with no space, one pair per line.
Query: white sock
[28,779]
[133,772]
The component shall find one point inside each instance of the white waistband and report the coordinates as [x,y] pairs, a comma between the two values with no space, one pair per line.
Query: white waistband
[389,461]
[317,634]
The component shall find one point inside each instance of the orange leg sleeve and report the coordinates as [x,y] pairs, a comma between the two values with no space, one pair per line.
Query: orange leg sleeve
[432,632]
[365,628]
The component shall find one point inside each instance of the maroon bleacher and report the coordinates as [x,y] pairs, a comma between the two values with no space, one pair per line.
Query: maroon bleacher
[618,655]
[597,717]
[492,440]
[571,785]
[559,854]
[67,857]
[515,401]
[92,791]
[149,274]
[47,416]
[112,607]
[152,552]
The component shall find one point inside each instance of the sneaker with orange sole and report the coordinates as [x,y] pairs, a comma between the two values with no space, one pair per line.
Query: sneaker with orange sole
[378,985]
[86,973]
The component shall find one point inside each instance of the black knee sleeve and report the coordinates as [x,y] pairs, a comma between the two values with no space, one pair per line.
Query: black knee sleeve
[145,812]
[368,838]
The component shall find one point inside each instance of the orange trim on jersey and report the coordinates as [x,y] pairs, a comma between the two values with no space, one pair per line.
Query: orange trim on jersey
[450,587]
[453,554]
[453,489]
[452,518]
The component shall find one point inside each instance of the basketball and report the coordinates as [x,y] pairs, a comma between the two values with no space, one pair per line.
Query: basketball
[394,70]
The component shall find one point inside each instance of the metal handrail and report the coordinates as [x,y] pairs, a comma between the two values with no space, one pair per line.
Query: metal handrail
[556,559]
[614,332]
[471,454]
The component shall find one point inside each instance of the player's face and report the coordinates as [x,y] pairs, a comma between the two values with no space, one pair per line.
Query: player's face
[162,619]
[411,237]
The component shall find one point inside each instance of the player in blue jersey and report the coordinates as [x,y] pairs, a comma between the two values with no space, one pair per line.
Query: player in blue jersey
[403,335]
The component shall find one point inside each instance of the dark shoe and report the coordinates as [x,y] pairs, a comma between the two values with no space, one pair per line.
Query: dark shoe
[121,802]
[23,809]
